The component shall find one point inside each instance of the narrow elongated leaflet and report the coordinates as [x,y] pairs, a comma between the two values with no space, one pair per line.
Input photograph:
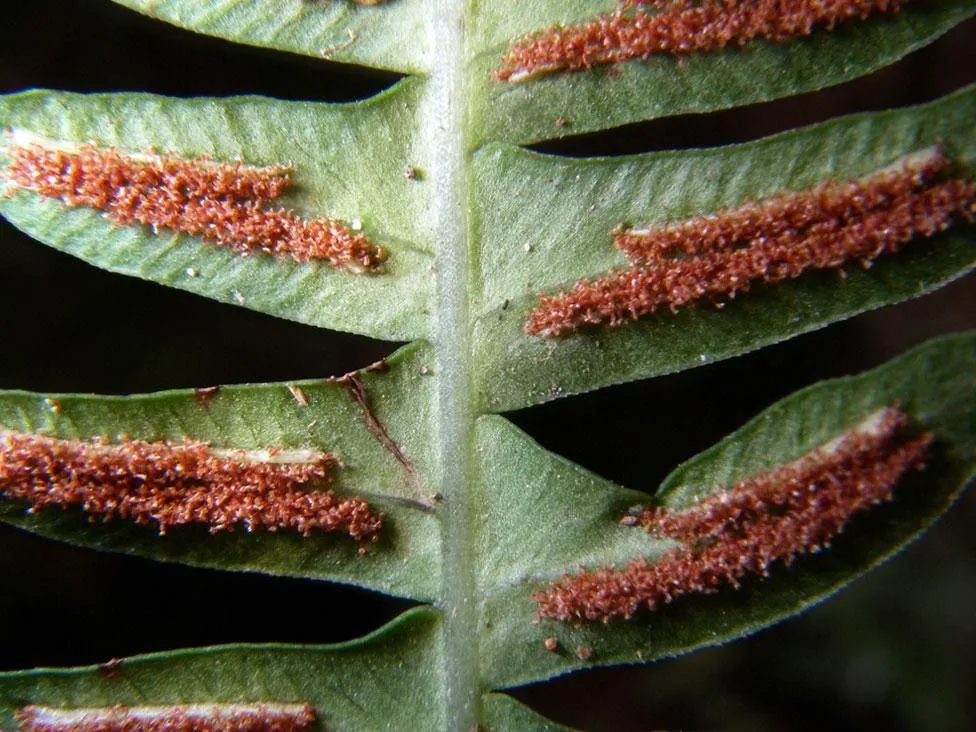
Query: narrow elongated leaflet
[677,27]
[182,718]
[781,237]
[224,203]
[175,484]
[773,517]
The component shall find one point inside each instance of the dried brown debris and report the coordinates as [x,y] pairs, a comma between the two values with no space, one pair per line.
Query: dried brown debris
[715,257]
[184,718]
[677,27]
[223,203]
[584,653]
[170,484]
[772,517]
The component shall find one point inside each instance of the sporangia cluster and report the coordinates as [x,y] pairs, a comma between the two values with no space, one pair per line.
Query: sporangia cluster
[183,718]
[224,203]
[166,484]
[772,517]
[677,27]
[715,257]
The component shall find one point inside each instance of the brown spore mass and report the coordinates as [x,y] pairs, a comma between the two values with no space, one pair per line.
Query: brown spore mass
[168,484]
[224,203]
[190,718]
[772,517]
[677,27]
[712,258]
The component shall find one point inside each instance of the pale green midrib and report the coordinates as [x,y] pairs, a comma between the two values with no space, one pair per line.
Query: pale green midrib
[445,122]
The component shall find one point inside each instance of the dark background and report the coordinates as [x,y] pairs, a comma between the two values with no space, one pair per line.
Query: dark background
[897,651]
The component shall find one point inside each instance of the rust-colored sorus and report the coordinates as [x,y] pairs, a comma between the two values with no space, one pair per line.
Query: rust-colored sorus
[773,517]
[781,237]
[222,203]
[677,27]
[168,484]
[180,718]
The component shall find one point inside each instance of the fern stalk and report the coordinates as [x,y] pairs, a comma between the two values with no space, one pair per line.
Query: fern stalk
[454,411]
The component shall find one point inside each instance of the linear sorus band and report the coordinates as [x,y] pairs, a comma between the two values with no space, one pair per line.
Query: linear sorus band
[182,718]
[677,27]
[220,202]
[715,257]
[170,484]
[772,517]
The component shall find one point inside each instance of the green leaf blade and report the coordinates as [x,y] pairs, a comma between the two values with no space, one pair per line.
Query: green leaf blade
[403,562]
[581,201]
[357,175]
[337,30]
[386,678]
[503,712]
[608,96]
[933,384]
[542,512]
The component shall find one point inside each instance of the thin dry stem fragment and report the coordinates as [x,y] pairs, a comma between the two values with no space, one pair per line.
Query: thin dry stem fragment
[677,27]
[183,718]
[772,517]
[715,257]
[175,484]
[298,395]
[222,203]
[357,390]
